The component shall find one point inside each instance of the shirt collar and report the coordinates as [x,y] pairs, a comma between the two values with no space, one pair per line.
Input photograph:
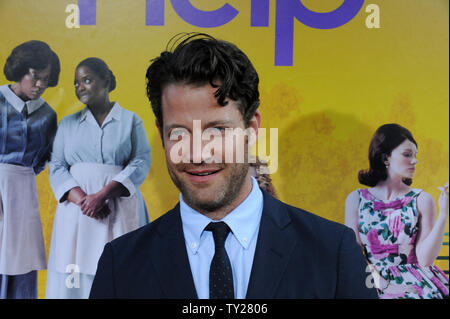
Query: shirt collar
[18,103]
[115,113]
[243,220]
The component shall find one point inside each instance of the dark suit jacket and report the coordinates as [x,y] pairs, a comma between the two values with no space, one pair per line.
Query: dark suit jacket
[298,255]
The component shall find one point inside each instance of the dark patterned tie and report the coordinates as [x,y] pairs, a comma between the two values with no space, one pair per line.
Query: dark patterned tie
[220,273]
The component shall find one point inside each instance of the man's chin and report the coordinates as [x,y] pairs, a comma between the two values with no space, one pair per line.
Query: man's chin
[213,195]
[203,203]
[208,207]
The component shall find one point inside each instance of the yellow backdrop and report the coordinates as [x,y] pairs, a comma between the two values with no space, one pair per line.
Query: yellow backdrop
[343,84]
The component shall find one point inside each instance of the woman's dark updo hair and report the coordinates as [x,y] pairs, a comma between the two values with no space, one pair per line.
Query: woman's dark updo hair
[99,67]
[386,138]
[32,55]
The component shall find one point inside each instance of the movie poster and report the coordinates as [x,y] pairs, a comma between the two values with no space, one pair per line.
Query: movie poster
[331,72]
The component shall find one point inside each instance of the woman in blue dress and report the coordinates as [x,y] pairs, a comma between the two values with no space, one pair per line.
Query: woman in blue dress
[27,129]
[100,157]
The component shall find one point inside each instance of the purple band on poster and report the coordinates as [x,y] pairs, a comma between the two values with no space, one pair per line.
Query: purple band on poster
[203,19]
[154,12]
[287,10]
[260,13]
[88,12]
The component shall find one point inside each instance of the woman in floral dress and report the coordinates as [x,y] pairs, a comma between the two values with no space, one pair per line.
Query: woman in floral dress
[394,223]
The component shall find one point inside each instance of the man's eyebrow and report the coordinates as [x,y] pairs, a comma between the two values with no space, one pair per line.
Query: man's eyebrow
[219,122]
[209,124]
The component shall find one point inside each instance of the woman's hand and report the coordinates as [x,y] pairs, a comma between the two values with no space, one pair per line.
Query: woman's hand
[443,200]
[76,195]
[95,206]
[391,289]
[92,204]
[103,212]
[398,289]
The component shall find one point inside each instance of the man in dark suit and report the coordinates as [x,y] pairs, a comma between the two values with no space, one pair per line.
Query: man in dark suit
[226,238]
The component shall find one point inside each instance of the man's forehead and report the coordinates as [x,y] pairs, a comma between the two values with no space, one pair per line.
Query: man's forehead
[176,89]
[188,102]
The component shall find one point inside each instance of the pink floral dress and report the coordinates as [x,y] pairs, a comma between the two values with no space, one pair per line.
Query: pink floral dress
[388,231]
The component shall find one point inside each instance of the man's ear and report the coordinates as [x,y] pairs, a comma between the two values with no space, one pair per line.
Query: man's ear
[255,124]
[160,132]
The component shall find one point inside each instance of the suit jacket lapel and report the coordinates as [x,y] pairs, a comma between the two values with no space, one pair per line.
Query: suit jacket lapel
[276,241]
[172,262]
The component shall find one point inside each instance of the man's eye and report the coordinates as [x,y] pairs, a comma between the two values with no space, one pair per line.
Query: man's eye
[87,81]
[218,129]
[175,134]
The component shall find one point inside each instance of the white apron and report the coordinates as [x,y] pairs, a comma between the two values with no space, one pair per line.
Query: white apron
[22,247]
[78,239]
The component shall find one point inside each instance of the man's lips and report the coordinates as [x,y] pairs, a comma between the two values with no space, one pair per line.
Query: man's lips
[202,171]
[202,175]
